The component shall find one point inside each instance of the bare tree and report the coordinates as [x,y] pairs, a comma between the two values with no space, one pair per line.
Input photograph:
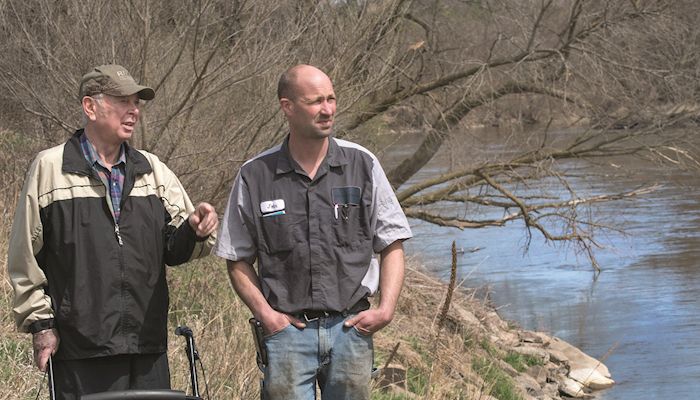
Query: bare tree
[613,75]
[590,61]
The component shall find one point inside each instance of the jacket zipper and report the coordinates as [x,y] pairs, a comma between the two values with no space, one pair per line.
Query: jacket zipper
[117,233]
[94,175]
[119,236]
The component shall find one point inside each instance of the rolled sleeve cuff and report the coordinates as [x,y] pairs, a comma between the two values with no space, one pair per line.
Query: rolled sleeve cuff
[382,243]
[392,225]
[234,256]
[41,325]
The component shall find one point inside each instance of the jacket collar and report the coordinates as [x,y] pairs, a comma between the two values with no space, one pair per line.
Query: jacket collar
[75,162]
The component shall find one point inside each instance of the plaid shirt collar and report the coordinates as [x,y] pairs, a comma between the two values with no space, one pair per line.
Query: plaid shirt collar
[91,154]
[112,178]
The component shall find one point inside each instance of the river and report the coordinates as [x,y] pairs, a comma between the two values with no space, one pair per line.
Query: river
[641,316]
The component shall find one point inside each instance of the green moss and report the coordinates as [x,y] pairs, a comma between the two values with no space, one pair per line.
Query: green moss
[388,396]
[499,383]
[521,362]
[14,355]
[14,352]
[417,345]
[417,381]
[468,341]
[488,347]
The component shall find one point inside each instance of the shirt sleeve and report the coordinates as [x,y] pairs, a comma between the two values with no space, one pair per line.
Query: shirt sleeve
[388,220]
[236,241]
[30,302]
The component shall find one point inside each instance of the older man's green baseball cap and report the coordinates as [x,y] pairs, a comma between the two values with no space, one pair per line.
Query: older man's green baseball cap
[113,80]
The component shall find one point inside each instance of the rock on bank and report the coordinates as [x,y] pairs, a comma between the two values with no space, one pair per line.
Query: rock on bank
[472,353]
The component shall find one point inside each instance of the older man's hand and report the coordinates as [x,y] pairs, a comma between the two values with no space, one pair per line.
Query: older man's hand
[204,220]
[45,344]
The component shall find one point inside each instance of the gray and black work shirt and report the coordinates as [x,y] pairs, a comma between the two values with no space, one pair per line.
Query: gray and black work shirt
[314,239]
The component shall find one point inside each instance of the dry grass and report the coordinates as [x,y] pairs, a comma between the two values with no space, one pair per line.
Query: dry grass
[439,367]
[437,352]
[439,361]
[17,375]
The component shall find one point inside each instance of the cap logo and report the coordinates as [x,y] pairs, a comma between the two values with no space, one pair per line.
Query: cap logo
[123,74]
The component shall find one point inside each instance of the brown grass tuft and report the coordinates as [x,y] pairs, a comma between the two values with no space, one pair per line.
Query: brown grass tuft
[202,299]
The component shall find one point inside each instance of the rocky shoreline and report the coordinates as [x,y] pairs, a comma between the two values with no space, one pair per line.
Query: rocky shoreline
[467,351]
[565,369]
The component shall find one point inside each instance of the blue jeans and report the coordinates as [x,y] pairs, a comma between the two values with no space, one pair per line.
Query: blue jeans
[338,358]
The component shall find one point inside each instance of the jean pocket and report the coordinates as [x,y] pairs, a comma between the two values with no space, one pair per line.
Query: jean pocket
[360,334]
[276,333]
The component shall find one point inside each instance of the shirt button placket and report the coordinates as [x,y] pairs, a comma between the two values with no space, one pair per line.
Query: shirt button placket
[314,242]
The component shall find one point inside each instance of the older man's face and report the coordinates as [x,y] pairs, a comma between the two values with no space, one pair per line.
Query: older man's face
[311,112]
[116,116]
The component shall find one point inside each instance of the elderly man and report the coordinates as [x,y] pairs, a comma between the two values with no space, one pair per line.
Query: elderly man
[96,223]
[313,211]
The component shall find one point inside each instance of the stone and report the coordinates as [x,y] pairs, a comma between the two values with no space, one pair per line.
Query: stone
[577,358]
[494,323]
[532,351]
[507,368]
[538,373]
[556,369]
[557,356]
[400,392]
[533,337]
[508,338]
[392,375]
[532,388]
[465,316]
[591,378]
[551,389]
[572,388]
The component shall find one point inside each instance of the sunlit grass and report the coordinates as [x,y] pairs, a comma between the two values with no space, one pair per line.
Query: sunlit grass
[438,367]
[521,362]
[501,385]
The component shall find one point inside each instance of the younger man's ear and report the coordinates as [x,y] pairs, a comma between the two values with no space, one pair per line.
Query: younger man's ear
[286,106]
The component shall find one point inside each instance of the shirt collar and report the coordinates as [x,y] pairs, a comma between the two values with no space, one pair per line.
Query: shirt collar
[334,158]
[91,154]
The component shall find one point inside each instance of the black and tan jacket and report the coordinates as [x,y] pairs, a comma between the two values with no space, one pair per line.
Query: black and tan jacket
[102,285]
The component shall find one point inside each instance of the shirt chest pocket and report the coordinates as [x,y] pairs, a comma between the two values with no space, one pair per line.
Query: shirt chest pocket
[278,233]
[349,218]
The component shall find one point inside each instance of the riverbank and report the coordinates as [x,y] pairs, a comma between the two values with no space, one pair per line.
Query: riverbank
[470,352]
[467,353]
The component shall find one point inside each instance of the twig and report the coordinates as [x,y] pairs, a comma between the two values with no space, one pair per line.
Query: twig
[450,287]
[392,355]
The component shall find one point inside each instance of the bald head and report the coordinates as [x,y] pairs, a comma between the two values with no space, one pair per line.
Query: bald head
[290,80]
[307,99]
